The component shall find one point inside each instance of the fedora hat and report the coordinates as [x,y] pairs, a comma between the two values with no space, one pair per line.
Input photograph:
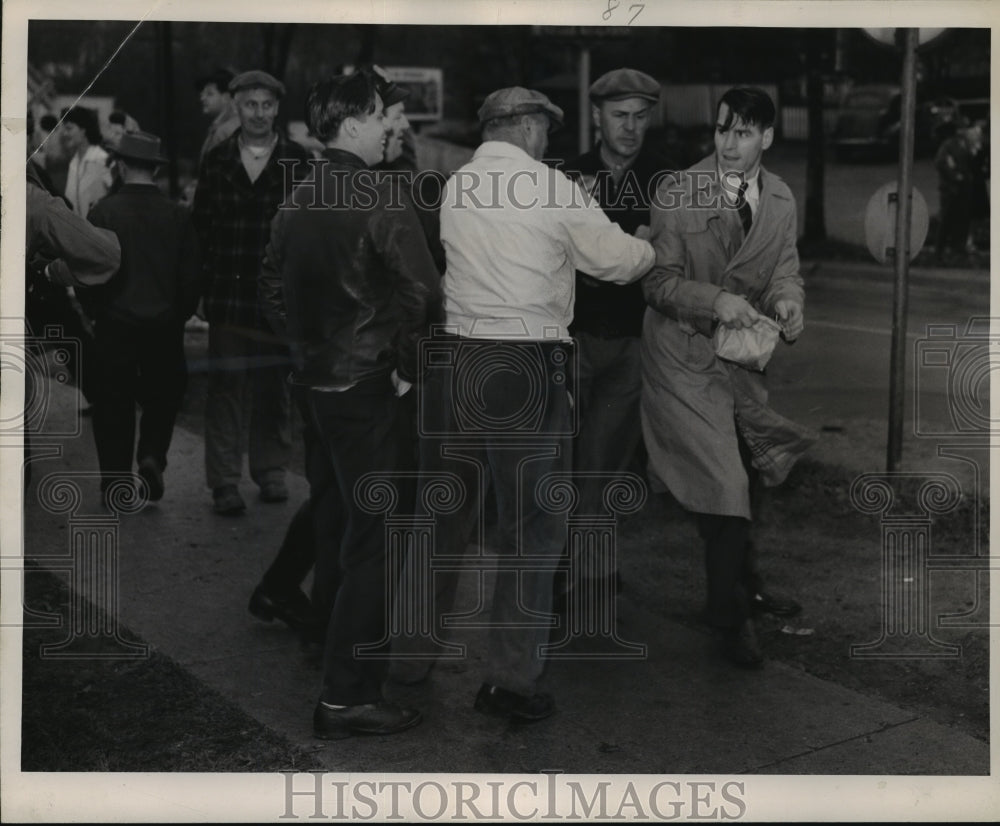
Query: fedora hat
[140,146]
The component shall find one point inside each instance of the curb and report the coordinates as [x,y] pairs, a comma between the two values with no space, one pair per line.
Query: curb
[880,272]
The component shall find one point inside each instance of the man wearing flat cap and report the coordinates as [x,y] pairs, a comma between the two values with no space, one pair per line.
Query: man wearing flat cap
[240,185]
[621,172]
[217,102]
[496,400]
[140,315]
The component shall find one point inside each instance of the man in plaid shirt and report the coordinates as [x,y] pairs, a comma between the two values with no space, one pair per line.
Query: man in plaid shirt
[241,183]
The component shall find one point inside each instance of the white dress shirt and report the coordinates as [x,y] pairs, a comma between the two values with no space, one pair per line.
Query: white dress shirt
[514,231]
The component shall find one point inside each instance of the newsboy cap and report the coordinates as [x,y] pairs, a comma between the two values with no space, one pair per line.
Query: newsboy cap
[624,83]
[256,79]
[516,100]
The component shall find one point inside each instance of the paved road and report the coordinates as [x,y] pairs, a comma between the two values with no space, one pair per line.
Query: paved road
[849,186]
[837,375]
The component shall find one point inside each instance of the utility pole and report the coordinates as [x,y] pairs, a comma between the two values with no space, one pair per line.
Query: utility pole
[904,209]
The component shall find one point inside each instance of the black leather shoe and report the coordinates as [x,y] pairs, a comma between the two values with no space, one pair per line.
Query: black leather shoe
[772,604]
[741,647]
[492,699]
[370,718]
[292,608]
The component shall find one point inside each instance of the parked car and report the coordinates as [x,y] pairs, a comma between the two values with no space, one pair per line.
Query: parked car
[869,121]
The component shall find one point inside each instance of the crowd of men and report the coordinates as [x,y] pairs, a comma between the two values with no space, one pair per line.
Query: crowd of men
[537,324]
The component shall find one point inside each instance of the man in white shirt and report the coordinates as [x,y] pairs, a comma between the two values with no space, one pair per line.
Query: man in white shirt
[496,403]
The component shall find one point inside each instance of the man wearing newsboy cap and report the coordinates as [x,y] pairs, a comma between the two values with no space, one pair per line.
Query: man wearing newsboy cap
[240,185]
[140,315]
[513,230]
[217,102]
[621,172]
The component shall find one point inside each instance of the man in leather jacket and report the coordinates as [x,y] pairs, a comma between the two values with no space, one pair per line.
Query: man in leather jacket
[349,276]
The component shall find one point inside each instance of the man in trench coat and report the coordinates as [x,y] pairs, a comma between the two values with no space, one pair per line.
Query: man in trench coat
[724,232]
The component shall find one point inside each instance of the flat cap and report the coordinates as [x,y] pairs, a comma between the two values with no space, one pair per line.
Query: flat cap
[624,83]
[390,92]
[516,100]
[256,79]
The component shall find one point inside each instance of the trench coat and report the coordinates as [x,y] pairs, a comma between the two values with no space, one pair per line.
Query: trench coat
[692,401]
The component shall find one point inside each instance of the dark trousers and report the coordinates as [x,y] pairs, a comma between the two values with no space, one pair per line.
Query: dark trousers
[731,572]
[954,220]
[361,430]
[730,568]
[136,365]
[492,426]
[297,554]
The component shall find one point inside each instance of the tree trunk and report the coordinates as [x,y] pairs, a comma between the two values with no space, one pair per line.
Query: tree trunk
[815,218]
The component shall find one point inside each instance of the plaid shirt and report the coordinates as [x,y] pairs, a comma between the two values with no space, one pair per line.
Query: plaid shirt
[233,219]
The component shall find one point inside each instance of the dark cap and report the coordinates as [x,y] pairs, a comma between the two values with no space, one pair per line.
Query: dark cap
[391,93]
[256,79]
[624,83]
[220,78]
[516,100]
[139,146]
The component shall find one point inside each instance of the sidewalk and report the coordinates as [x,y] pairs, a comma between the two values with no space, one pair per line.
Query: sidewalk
[185,576]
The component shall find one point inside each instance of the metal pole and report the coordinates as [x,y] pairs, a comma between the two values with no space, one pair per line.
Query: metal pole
[904,209]
[584,98]
[168,119]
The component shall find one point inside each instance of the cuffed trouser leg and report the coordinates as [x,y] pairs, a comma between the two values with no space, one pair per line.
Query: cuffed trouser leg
[224,406]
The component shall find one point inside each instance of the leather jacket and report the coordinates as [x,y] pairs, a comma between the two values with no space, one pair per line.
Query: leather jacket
[348,276]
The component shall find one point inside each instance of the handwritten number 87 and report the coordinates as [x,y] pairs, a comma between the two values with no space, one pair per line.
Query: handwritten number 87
[614,4]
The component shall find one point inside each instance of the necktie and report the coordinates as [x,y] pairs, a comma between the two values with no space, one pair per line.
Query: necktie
[743,208]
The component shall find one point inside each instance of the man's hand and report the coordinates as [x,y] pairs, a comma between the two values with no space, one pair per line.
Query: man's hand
[790,315]
[642,232]
[399,384]
[733,311]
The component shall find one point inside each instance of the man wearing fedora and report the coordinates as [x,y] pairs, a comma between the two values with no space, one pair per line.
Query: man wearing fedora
[514,230]
[620,171]
[241,183]
[139,317]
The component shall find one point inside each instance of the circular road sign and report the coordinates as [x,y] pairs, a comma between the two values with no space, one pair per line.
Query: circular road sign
[887,37]
[880,222]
